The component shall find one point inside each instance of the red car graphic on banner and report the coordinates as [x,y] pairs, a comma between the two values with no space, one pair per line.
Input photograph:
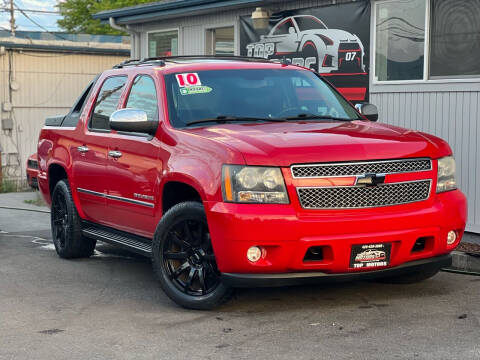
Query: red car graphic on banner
[306,41]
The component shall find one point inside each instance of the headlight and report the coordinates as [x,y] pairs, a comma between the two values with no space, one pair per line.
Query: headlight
[253,184]
[446,174]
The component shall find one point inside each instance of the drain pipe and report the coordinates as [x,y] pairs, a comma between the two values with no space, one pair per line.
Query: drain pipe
[132,33]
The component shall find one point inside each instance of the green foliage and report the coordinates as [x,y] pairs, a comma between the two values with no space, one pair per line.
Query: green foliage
[7,186]
[77,15]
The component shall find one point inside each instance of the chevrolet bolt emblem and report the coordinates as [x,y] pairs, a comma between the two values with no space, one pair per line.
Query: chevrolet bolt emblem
[371,179]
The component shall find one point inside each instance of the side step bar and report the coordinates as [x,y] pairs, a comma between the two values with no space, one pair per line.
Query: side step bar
[135,243]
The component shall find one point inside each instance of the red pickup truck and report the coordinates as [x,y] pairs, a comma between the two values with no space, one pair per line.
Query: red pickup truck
[232,172]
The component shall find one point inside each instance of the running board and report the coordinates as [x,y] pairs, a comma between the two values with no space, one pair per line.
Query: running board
[135,243]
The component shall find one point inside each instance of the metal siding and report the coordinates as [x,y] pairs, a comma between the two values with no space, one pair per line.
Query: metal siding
[451,116]
[49,83]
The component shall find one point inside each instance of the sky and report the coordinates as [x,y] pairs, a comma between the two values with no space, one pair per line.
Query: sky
[49,21]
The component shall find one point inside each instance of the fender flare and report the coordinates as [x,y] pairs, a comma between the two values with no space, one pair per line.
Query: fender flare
[182,178]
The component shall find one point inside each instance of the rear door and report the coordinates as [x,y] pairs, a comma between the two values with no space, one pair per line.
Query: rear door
[134,167]
[89,156]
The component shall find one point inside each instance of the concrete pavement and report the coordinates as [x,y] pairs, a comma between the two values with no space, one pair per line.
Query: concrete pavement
[111,307]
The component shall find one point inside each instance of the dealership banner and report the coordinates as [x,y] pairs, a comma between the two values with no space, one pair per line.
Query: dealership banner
[333,40]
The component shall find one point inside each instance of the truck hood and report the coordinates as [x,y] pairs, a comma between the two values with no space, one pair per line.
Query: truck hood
[284,144]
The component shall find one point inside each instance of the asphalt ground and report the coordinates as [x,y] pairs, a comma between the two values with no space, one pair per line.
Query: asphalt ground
[111,307]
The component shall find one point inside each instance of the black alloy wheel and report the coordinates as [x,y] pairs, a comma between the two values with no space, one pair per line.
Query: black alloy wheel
[184,261]
[188,258]
[60,220]
[67,225]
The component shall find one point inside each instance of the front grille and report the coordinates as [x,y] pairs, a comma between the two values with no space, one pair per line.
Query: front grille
[32,164]
[361,168]
[350,197]
[349,46]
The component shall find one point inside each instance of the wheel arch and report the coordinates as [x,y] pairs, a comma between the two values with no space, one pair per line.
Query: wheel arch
[178,189]
[56,172]
[314,40]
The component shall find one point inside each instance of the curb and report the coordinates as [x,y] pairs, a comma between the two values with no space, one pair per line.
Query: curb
[25,209]
[464,262]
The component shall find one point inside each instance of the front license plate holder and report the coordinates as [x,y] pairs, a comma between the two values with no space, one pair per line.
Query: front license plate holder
[370,256]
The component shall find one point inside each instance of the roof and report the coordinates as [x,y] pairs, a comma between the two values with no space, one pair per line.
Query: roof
[169,65]
[171,9]
[66,46]
[55,36]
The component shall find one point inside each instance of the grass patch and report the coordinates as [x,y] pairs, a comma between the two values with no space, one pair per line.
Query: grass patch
[38,201]
[8,186]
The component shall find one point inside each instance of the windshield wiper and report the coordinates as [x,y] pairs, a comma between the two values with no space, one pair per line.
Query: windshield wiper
[317,117]
[222,119]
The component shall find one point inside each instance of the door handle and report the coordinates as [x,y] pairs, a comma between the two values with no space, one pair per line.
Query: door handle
[82,149]
[115,154]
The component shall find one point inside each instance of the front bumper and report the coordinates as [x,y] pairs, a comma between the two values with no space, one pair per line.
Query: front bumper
[287,232]
[287,279]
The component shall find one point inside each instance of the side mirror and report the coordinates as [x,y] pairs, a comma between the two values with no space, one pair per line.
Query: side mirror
[132,120]
[370,111]
[291,30]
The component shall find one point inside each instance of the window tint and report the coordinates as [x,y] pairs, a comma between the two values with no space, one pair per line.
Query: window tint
[143,96]
[81,100]
[400,40]
[309,23]
[269,93]
[282,29]
[71,120]
[107,102]
[455,39]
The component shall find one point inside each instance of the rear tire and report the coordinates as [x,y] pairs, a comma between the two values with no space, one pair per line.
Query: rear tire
[183,259]
[66,225]
[411,278]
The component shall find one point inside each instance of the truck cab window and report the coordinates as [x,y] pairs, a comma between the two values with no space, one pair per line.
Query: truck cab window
[107,102]
[71,120]
[143,96]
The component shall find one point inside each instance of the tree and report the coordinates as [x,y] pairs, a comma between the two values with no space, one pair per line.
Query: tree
[77,15]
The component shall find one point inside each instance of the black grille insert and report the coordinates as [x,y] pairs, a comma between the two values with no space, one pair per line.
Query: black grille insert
[314,253]
[349,46]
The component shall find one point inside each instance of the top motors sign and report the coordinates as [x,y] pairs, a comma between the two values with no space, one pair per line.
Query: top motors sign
[332,40]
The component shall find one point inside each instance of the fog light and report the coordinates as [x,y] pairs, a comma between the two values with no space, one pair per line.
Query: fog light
[451,237]
[254,253]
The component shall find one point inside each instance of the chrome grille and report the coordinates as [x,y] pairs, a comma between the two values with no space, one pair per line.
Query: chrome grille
[350,197]
[360,168]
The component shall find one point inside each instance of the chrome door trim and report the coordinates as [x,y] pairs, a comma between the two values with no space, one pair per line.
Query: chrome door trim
[118,198]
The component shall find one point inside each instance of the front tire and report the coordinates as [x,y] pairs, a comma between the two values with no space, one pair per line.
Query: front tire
[66,225]
[183,259]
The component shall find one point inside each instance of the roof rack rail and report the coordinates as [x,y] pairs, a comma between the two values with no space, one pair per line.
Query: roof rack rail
[161,61]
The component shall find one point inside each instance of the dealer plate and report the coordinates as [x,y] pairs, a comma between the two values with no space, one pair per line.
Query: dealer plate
[370,255]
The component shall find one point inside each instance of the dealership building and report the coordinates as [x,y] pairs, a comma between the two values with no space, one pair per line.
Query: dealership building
[417,60]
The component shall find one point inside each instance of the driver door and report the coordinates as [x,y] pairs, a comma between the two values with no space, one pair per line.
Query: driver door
[134,168]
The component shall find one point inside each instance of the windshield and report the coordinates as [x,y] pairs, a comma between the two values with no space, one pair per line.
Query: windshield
[309,23]
[255,93]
